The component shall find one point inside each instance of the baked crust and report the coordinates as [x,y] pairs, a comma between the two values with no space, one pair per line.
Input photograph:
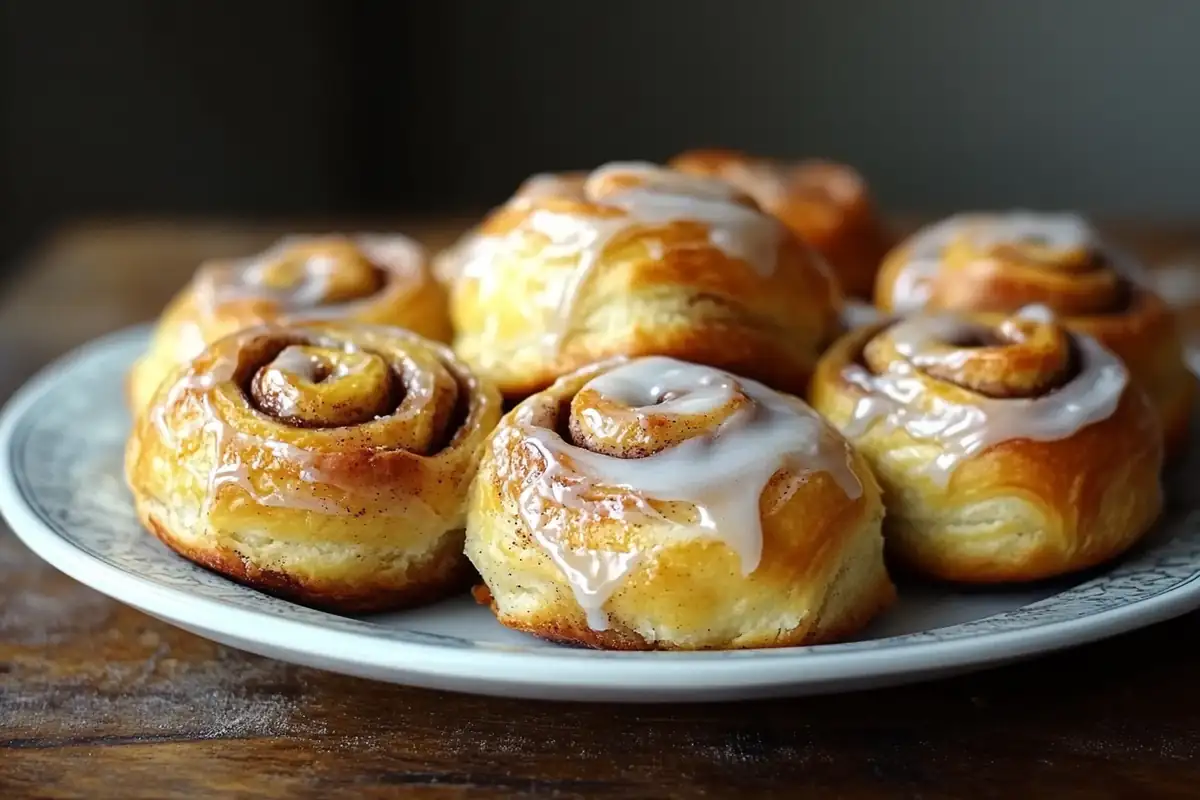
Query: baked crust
[575,273]
[564,625]
[825,203]
[384,280]
[820,578]
[1020,509]
[971,265]
[441,575]
[353,517]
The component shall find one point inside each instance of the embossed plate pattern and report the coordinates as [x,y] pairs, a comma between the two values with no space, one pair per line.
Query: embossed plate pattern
[61,489]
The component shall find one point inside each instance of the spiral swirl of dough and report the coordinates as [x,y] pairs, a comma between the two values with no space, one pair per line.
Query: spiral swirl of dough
[1009,447]
[628,485]
[329,463]
[374,279]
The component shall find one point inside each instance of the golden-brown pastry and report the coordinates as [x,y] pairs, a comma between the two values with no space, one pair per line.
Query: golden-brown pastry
[1008,448]
[375,279]
[825,203]
[655,504]
[637,259]
[448,264]
[326,464]
[1005,261]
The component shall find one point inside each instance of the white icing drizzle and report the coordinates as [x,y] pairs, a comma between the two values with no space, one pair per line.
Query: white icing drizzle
[296,360]
[721,474]
[476,248]
[1038,312]
[658,196]
[244,279]
[236,473]
[1058,230]
[308,366]
[857,314]
[898,398]
[197,386]
[195,383]
[189,341]
[541,185]
[664,386]
[665,196]
[470,255]
[227,468]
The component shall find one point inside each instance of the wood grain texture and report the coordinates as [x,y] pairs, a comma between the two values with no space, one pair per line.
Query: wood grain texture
[98,700]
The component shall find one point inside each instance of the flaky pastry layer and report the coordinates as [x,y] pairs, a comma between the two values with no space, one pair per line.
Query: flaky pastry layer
[382,280]
[364,515]
[1020,509]
[618,265]
[820,577]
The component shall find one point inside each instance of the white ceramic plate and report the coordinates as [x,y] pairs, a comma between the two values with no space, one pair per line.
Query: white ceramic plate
[61,441]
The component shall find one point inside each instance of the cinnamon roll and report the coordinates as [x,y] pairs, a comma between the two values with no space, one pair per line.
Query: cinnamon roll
[825,203]
[326,464]
[1009,448]
[651,503]
[374,279]
[637,259]
[1004,261]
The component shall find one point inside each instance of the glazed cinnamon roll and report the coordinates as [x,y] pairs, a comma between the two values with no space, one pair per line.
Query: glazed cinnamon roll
[366,278]
[325,464]
[636,259]
[656,504]
[825,203]
[1008,447]
[1004,261]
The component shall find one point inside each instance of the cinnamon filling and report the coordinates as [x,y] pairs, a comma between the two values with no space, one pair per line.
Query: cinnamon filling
[611,418]
[456,421]
[309,386]
[1005,359]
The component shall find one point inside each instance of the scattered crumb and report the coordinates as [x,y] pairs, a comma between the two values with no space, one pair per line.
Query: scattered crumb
[55,681]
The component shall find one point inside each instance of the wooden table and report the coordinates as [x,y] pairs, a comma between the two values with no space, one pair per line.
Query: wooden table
[98,700]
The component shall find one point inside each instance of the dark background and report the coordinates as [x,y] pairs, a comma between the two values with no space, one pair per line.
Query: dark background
[307,107]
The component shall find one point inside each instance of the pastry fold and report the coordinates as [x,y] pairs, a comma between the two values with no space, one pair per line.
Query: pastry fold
[656,504]
[825,203]
[1002,262]
[635,259]
[328,464]
[375,279]
[1009,448]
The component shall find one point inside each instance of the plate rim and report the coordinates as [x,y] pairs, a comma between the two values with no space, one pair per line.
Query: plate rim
[345,650]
